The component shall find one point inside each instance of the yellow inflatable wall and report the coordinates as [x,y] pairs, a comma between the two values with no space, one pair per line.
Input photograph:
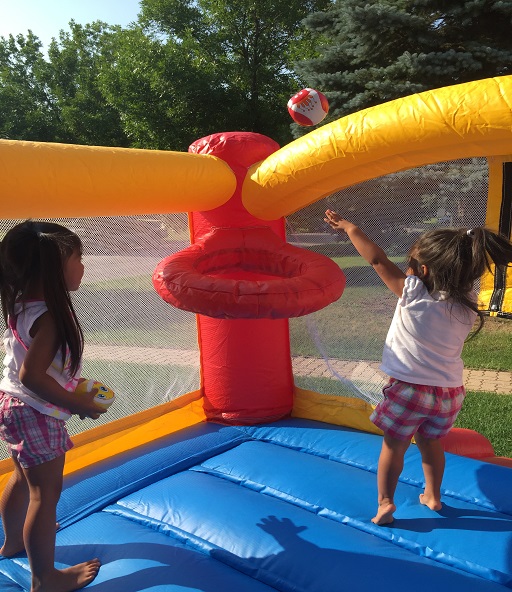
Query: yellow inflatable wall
[496,288]
[462,121]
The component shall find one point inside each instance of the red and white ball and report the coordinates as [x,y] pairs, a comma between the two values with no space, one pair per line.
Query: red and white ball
[308,107]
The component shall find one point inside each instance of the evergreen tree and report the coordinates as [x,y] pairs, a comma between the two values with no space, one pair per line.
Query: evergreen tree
[373,52]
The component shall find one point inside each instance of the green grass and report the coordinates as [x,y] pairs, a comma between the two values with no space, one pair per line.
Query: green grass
[356,261]
[491,348]
[489,414]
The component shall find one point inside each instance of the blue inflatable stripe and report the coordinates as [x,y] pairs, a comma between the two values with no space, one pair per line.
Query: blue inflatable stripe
[286,507]
[466,479]
[347,494]
[138,468]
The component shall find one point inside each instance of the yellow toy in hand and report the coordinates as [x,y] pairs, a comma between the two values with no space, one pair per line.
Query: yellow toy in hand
[104,397]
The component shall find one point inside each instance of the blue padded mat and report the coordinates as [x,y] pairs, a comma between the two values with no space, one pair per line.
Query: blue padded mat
[283,506]
[7,585]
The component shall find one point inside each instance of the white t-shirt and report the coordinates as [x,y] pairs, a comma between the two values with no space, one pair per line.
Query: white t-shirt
[17,339]
[426,336]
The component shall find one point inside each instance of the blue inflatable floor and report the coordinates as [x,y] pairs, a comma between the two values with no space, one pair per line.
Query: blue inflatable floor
[283,506]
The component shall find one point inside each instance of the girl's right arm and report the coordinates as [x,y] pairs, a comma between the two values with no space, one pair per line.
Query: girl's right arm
[39,357]
[390,274]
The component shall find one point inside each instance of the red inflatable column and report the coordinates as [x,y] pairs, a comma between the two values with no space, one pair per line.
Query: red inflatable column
[246,364]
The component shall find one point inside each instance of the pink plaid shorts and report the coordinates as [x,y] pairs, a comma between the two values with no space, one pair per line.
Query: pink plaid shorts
[409,408]
[32,438]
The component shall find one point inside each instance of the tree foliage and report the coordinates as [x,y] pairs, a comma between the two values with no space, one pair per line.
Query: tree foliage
[75,71]
[373,52]
[188,68]
[27,110]
[184,70]
[244,49]
[163,95]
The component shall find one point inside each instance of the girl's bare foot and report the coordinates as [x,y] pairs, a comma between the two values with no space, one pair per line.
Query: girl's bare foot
[384,514]
[10,549]
[432,503]
[69,579]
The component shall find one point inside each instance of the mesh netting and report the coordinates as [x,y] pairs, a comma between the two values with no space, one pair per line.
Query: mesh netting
[147,350]
[337,350]
[144,349]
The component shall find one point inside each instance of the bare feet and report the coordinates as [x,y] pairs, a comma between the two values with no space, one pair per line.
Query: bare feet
[384,513]
[13,548]
[432,503]
[69,579]
[10,549]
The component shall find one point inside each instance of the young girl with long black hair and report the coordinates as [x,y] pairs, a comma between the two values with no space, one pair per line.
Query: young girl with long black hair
[40,263]
[436,311]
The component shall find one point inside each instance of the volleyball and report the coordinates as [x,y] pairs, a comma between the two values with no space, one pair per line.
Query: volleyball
[308,107]
[104,397]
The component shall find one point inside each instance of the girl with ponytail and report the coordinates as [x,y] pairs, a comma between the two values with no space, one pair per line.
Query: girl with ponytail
[436,311]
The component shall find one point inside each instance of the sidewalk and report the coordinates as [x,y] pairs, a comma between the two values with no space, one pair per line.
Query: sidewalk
[474,380]
[488,380]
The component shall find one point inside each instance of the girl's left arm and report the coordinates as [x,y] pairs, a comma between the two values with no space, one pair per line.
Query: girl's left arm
[38,359]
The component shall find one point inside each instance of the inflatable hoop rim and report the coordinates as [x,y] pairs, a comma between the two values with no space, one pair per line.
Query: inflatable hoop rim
[248,273]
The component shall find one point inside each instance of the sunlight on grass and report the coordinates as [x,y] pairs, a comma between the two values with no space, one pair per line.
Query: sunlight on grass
[490,415]
[492,347]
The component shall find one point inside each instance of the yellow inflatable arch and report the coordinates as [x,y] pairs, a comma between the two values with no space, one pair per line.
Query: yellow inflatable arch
[462,121]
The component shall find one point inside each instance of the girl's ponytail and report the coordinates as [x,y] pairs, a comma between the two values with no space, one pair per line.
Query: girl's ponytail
[494,247]
[457,257]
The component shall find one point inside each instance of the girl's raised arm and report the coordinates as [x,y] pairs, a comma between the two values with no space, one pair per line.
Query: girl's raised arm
[390,274]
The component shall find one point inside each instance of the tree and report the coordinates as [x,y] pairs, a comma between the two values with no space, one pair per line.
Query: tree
[373,52]
[165,98]
[27,109]
[244,49]
[74,79]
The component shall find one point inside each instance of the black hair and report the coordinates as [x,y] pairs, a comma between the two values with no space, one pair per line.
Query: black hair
[32,255]
[456,258]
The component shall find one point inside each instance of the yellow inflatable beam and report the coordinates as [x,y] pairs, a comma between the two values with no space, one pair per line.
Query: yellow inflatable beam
[44,180]
[462,121]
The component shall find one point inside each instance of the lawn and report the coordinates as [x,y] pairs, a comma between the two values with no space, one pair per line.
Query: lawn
[492,347]
[489,414]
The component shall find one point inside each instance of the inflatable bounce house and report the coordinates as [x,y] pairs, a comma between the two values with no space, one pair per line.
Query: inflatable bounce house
[220,467]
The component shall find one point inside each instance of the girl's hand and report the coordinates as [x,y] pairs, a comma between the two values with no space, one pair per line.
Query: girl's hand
[336,222]
[390,274]
[84,405]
